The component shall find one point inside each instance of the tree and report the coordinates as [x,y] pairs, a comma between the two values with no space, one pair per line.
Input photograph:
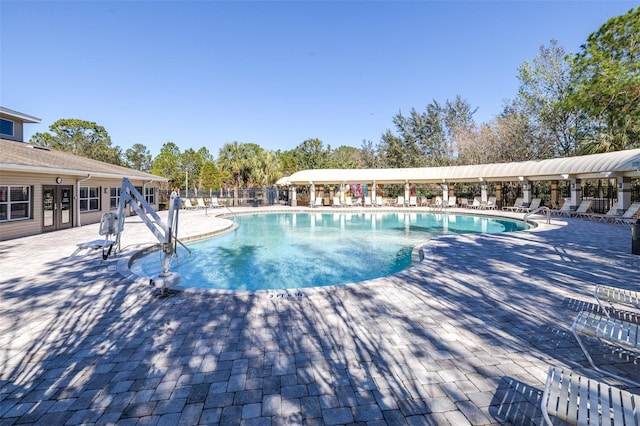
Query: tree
[191,163]
[369,155]
[210,176]
[167,164]
[79,137]
[545,84]
[138,157]
[345,157]
[233,159]
[312,154]
[606,87]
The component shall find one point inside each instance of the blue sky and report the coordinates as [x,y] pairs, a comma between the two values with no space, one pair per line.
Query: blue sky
[274,73]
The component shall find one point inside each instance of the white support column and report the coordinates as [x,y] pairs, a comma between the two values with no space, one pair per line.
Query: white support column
[526,191]
[312,195]
[293,202]
[445,193]
[624,193]
[406,193]
[483,192]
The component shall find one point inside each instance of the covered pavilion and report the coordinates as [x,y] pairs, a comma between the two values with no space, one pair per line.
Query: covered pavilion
[621,166]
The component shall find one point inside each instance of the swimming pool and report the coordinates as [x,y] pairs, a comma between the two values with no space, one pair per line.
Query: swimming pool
[299,250]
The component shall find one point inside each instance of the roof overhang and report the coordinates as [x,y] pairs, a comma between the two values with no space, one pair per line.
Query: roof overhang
[596,166]
[80,173]
[19,116]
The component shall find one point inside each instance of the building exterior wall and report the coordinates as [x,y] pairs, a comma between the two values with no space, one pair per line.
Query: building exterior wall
[18,129]
[36,181]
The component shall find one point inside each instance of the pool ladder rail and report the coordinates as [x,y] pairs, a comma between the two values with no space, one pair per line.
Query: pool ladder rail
[545,209]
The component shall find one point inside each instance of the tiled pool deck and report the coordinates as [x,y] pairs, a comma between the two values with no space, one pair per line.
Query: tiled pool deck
[465,337]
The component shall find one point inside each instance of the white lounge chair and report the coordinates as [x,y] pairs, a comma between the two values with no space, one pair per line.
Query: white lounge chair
[535,203]
[582,401]
[489,205]
[413,201]
[610,215]
[476,203]
[464,203]
[214,203]
[516,205]
[348,201]
[616,296]
[318,202]
[186,203]
[619,336]
[452,202]
[400,202]
[201,204]
[628,217]
[564,210]
[380,201]
[584,207]
[336,202]
[367,201]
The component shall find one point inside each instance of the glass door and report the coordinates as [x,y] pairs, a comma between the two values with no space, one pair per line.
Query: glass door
[57,207]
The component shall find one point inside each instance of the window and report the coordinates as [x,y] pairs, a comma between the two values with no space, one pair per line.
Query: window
[89,198]
[150,195]
[6,127]
[15,203]
[114,198]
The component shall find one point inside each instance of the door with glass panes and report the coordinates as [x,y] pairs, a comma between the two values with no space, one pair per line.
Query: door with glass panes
[57,206]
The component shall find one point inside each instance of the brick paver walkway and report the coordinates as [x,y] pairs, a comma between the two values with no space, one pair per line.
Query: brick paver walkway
[465,337]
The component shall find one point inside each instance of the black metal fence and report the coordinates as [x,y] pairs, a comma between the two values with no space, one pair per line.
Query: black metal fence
[246,197]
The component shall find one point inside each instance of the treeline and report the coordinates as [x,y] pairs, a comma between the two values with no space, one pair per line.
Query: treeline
[567,104]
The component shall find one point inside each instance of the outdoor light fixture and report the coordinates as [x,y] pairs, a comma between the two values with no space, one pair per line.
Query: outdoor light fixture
[525,186]
[565,176]
[480,179]
[520,178]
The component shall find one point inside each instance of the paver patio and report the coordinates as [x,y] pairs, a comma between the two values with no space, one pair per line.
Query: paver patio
[465,337]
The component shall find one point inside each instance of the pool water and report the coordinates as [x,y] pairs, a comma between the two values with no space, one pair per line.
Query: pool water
[297,250]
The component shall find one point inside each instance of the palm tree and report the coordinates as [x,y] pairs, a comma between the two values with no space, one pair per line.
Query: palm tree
[233,159]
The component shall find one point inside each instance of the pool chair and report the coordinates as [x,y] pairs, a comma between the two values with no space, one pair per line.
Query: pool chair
[452,202]
[579,400]
[535,203]
[628,217]
[201,204]
[413,201]
[565,210]
[610,215]
[379,201]
[336,202]
[464,203]
[609,298]
[318,202]
[476,203]
[617,335]
[489,205]
[214,203]
[367,201]
[348,201]
[186,203]
[582,209]
[517,205]
[400,202]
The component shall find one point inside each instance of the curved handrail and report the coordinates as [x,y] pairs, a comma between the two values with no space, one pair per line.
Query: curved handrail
[546,209]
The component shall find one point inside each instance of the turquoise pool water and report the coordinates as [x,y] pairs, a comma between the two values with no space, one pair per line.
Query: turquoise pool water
[297,250]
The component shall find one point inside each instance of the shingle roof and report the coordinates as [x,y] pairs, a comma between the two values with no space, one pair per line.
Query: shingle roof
[20,156]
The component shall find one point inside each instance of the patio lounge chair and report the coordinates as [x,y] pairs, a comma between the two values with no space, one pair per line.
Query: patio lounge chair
[367,201]
[614,296]
[476,203]
[516,205]
[583,208]
[619,336]
[610,215]
[535,203]
[318,202]
[201,204]
[580,401]
[400,202]
[186,203]
[413,201]
[348,201]
[214,203]
[628,217]
[564,210]
[464,203]
[452,202]
[380,201]
[489,205]
[336,202]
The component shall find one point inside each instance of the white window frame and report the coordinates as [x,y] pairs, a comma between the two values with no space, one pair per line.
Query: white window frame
[150,195]
[8,203]
[114,198]
[88,198]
